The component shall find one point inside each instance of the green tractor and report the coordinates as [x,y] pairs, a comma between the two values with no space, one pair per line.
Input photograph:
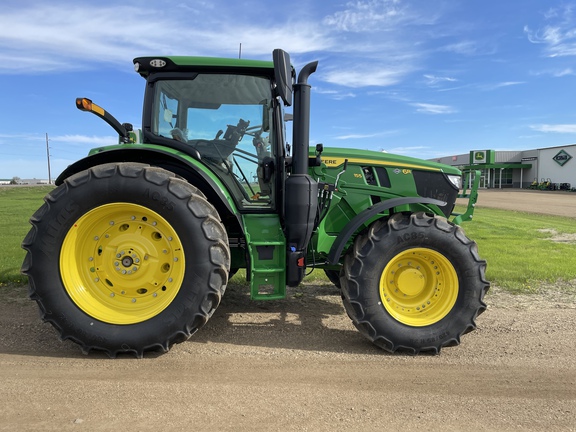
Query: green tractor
[132,252]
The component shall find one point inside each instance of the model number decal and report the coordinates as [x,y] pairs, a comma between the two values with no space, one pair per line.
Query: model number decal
[410,236]
[157,196]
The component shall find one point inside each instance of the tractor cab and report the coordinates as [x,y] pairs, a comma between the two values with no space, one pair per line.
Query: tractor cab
[228,122]
[230,118]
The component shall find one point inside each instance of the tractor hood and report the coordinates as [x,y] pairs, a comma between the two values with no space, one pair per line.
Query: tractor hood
[335,156]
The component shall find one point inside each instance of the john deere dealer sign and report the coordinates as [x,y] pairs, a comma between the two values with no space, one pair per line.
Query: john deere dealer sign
[561,157]
[481,157]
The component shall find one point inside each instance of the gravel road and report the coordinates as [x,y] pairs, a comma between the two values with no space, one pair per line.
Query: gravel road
[300,365]
[558,203]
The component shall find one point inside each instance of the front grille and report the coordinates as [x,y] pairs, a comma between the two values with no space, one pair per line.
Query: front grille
[436,185]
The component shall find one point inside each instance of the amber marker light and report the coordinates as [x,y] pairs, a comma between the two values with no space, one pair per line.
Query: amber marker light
[85,104]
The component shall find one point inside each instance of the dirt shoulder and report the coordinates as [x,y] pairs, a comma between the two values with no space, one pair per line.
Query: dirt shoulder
[295,365]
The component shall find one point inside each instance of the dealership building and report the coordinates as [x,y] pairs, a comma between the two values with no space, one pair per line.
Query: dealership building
[552,167]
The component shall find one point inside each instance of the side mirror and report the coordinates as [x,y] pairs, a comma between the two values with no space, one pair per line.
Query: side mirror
[283,75]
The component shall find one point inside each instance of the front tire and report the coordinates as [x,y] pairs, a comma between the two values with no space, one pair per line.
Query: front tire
[414,283]
[126,258]
[334,277]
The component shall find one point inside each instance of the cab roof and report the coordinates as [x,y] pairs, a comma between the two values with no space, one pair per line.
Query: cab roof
[147,65]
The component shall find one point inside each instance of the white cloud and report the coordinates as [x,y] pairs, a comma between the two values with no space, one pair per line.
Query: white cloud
[85,35]
[555,128]
[556,73]
[563,72]
[495,86]
[334,94]
[364,16]
[508,83]
[462,47]
[365,136]
[97,141]
[558,37]
[20,137]
[380,37]
[427,108]
[433,80]
[381,75]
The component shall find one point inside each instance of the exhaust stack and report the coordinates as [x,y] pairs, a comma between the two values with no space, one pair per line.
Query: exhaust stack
[301,190]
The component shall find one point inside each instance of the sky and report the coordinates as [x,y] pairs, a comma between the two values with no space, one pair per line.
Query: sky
[415,77]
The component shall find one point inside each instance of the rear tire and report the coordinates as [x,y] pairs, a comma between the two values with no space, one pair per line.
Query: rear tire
[414,283]
[126,258]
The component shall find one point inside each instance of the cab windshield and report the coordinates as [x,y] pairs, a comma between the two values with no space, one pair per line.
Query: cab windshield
[228,120]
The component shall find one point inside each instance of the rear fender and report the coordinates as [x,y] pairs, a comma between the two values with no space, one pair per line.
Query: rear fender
[362,217]
[184,166]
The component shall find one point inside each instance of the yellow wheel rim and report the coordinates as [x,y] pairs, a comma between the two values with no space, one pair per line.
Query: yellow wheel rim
[419,287]
[122,263]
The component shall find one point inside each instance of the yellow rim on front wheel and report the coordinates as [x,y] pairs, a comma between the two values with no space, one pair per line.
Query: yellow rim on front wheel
[122,263]
[419,287]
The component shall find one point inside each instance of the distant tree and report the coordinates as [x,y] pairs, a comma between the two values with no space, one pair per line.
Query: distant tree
[15,180]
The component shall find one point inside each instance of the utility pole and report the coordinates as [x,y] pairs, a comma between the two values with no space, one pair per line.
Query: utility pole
[48,157]
[240,51]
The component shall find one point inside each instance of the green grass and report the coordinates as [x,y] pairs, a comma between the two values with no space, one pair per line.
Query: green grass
[520,255]
[17,204]
[519,250]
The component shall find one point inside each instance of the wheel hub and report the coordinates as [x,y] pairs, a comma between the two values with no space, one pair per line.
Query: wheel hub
[127,262]
[410,281]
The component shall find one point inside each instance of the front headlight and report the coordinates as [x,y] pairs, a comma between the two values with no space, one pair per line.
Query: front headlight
[456,181]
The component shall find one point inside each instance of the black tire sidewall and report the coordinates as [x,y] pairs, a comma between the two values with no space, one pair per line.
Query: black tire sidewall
[382,245]
[149,188]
